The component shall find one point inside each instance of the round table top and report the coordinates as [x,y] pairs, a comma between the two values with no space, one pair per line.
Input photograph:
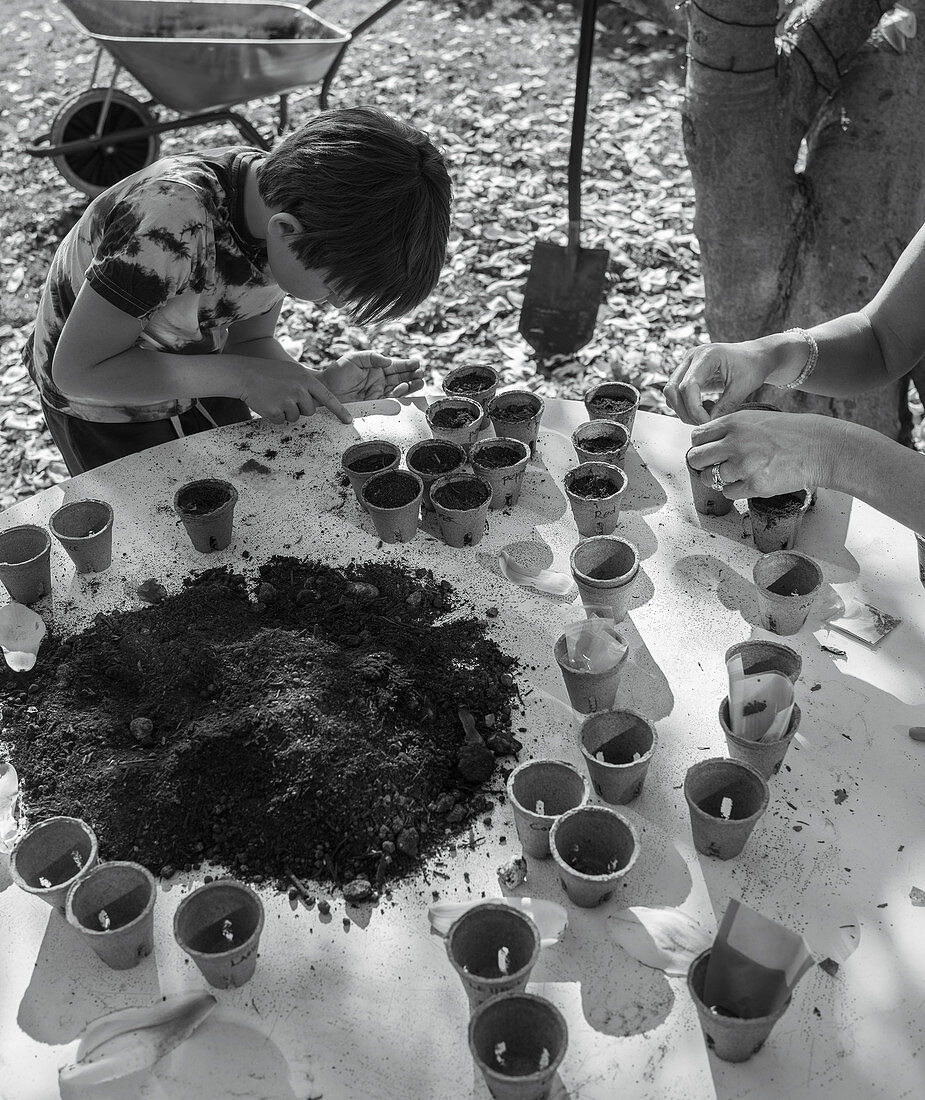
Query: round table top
[370,1007]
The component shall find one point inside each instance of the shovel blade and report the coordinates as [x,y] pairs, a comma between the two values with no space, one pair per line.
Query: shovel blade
[564,290]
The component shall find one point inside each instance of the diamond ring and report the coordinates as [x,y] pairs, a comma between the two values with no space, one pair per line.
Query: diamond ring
[717,481]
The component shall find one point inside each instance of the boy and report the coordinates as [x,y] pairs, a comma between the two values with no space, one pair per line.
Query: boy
[157,316]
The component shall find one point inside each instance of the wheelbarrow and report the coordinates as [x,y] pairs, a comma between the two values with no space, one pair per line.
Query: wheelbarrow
[198,58]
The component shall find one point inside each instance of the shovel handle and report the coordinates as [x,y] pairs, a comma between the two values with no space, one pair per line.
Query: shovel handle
[580,113]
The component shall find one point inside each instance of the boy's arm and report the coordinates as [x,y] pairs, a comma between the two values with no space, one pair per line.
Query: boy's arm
[96,359]
[254,337]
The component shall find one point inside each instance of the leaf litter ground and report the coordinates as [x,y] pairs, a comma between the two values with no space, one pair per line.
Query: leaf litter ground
[333,727]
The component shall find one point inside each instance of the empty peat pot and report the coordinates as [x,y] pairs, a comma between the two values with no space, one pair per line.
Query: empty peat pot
[84,529]
[617,746]
[25,562]
[776,520]
[393,500]
[51,856]
[477,381]
[759,656]
[372,456]
[432,458]
[206,508]
[604,568]
[589,692]
[601,441]
[218,925]
[516,414]
[461,501]
[707,500]
[593,847]
[458,419]
[493,947]
[518,1041]
[501,462]
[613,401]
[732,1038]
[112,906]
[788,583]
[725,799]
[539,791]
[765,757]
[594,491]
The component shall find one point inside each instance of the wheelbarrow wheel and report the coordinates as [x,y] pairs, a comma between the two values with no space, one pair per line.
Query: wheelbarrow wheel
[93,170]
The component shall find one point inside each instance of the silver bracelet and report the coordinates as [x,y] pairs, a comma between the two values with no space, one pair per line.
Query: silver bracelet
[811,360]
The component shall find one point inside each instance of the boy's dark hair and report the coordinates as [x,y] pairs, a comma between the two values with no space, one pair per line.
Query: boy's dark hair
[373,196]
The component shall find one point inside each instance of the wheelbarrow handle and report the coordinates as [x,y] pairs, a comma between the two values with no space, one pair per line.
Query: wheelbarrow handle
[580,114]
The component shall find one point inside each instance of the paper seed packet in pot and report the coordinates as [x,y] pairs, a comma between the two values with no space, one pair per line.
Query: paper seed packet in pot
[754,965]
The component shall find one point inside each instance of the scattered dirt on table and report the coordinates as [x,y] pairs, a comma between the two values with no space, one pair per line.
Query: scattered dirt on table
[314,729]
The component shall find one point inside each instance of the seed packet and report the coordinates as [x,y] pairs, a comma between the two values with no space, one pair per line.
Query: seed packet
[754,965]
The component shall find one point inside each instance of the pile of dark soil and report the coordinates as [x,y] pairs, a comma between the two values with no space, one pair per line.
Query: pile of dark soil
[317,727]
[466,493]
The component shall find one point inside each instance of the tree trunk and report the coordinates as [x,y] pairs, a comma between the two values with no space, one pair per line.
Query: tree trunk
[783,245]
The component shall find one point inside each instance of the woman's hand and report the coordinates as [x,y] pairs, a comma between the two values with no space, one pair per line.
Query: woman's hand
[368,376]
[737,369]
[762,454]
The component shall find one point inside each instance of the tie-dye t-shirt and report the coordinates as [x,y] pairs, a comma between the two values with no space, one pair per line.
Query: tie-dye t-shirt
[170,246]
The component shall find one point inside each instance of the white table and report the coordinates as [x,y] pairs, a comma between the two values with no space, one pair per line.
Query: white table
[375,1011]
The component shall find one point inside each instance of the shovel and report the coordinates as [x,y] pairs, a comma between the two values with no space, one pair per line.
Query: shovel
[566,284]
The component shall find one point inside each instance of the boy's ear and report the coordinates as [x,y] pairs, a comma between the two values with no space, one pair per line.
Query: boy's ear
[283,225]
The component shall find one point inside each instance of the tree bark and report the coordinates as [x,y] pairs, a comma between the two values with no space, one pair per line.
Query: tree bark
[782,246]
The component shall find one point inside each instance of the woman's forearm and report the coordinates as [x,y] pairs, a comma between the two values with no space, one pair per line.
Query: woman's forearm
[850,357]
[878,470]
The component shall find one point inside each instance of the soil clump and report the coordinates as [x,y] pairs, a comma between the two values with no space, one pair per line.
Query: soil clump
[435,458]
[498,457]
[606,407]
[514,413]
[593,486]
[311,727]
[453,418]
[462,495]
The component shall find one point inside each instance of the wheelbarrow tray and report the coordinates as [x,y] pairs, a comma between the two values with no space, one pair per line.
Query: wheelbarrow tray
[192,55]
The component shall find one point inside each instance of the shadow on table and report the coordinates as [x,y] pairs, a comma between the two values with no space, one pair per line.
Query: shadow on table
[644,492]
[227,1056]
[643,685]
[6,879]
[619,996]
[63,994]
